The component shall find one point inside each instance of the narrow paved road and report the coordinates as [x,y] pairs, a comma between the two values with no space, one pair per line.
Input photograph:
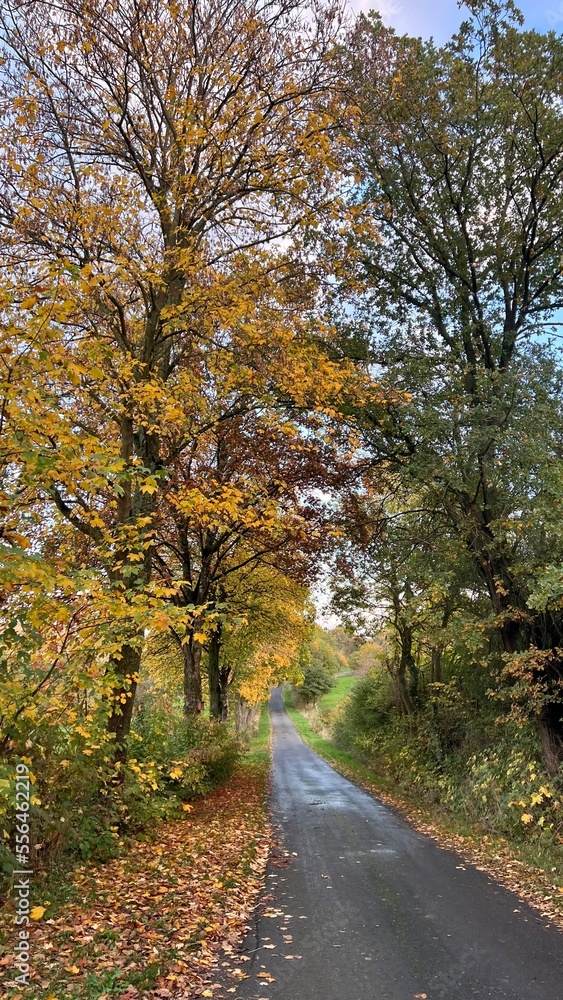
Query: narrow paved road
[368,909]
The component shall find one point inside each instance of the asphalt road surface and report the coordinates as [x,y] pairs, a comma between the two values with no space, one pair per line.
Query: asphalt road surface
[369,909]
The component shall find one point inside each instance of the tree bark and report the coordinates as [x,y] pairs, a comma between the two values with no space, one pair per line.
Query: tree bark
[215,693]
[399,676]
[127,665]
[123,697]
[193,697]
[410,669]
[246,715]
[551,734]
[436,664]
[225,677]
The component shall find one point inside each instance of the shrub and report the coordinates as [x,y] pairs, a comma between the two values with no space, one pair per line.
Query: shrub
[191,755]
[316,682]
[84,802]
[364,711]
[450,756]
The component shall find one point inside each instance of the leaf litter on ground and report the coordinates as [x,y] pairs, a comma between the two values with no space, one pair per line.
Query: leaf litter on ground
[156,922]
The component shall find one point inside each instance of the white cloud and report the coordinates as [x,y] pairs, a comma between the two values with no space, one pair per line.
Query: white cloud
[436,18]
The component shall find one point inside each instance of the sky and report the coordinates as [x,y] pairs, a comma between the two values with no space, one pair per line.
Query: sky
[440,18]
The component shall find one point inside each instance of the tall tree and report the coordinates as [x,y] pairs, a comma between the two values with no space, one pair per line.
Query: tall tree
[253,490]
[459,156]
[159,161]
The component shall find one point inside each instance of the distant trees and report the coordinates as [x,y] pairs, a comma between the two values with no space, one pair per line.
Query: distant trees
[316,682]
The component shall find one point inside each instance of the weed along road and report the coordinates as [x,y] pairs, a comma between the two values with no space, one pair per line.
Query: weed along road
[369,909]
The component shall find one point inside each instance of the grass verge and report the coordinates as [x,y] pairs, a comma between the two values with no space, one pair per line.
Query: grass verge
[530,870]
[259,747]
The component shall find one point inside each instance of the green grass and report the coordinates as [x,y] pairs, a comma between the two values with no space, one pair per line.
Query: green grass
[343,685]
[325,748]
[259,748]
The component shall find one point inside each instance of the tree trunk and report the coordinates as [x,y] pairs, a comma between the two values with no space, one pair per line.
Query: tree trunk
[551,733]
[193,697]
[128,664]
[123,696]
[246,715]
[399,676]
[409,666]
[225,676]
[436,664]
[215,693]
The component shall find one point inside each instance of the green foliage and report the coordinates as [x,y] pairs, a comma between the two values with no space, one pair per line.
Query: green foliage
[464,274]
[190,754]
[316,682]
[505,785]
[451,756]
[366,709]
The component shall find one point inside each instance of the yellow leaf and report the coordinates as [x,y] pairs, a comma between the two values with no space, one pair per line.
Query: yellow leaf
[149,486]
[73,969]
[37,912]
[526,817]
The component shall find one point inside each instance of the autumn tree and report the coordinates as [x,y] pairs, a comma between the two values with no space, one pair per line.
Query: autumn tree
[159,162]
[261,641]
[256,637]
[253,491]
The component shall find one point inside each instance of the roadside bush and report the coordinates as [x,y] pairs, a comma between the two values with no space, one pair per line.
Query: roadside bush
[505,788]
[84,803]
[448,756]
[365,710]
[316,682]
[191,755]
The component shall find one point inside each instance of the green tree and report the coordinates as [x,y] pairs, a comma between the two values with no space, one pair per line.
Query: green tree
[459,157]
[316,682]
